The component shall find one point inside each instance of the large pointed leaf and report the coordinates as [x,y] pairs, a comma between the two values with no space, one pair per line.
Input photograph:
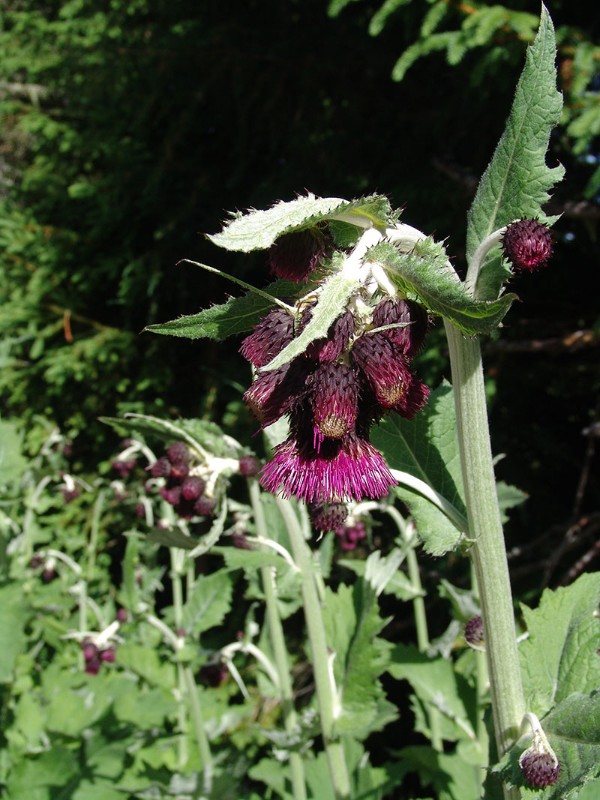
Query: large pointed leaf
[427,448]
[517,181]
[424,273]
[257,230]
[237,315]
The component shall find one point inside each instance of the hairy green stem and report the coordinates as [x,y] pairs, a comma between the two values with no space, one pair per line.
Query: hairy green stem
[280,653]
[488,551]
[327,699]
[186,682]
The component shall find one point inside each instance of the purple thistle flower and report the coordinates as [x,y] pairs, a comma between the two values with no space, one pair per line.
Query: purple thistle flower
[334,401]
[124,468]
[276,392]
[350,535]
[269,337]
[341,469]
[205,506]
[295,255]
[161,468]
[414,399]
[328,516]
[331,347]
[192,487]
[384,366]
[539,769]
[172,495]
[178,453]
[411,336]
[527,244]
[249,466]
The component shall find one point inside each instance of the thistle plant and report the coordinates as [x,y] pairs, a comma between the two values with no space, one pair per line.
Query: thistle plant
[365,465]
[331,345]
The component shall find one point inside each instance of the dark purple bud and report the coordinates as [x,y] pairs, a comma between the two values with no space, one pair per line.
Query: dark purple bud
[269,337]
[124,468]
[108,654]
[335,343]
[122,615]
[140,511]
[240,541]
[36,561]
[527,244]
[178,453]
[327,516]
[192,487]
[179,471]
[161,468]
[70,494]
[278,391]
[205,506]
[90,651]
[384,366]
[474,635]
[213,674]
[48,575]
[539,769]
[249,466]
[351,535]
[412,320]
[295,255]
[172,495]
[334,400]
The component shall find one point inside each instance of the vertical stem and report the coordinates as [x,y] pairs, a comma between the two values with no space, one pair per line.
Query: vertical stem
[419,611]
[186,682]
[326,690]
[488,550]
[279,649]
[94,529]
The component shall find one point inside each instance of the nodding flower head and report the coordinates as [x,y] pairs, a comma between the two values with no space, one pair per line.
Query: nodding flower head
[539,769]
[328,516]
[386,370]
[349,467]
[269,337]
[334,401]
[278,391]
[411,319]
[331,347]
[527,244]
[295,255]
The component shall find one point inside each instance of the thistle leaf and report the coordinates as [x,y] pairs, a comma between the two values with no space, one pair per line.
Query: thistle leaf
[258,230]
[424,273]
[517,181]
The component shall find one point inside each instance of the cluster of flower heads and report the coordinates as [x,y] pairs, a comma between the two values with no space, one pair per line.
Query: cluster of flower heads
[182,489]
[336,517]
[95,656]
[337,389]
[185,485]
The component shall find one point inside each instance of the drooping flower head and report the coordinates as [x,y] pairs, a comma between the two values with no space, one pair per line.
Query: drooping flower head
[269,337]
[349,467]
[527,244]
[295,255]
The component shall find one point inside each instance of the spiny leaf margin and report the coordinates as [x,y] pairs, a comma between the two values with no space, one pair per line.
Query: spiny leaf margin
[259,229]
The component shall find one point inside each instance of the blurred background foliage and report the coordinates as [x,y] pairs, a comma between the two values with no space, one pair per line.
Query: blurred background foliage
[128,128]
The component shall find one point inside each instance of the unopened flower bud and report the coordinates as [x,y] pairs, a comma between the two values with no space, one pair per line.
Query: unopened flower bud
[527,244]
[539,769]
[178,453]
[295,255]
[249,466]
[474,635]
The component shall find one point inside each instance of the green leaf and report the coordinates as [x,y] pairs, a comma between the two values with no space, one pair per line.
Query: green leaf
[517,181]
[194,432]
[56,767]
[449,775]
[249,559]
[559,656]
[573,730]
[237,315]
[427,448]
[208,603]
[12,621]
[258,230]
[352,623]
[12,462]
[71,712]
[437,685]
[144,661]
[425,274]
